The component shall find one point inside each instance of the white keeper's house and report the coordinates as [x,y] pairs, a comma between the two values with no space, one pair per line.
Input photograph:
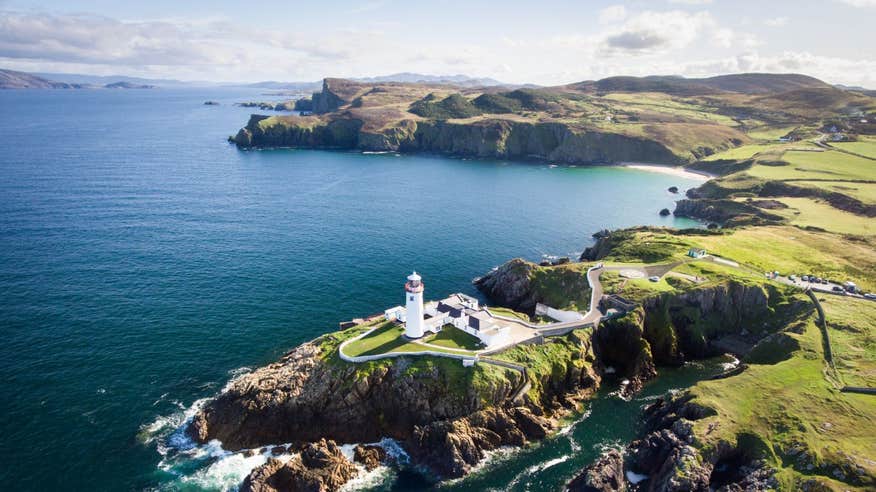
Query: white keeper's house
[459,310]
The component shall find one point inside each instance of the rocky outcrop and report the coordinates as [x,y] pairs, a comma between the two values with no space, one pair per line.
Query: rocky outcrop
[446,422]
[266,131]
[370,456]
[620,343]
[302,397]
[491,138]
[319,467]
[331,97]
[451,448]
[668,455]
[725,211]
[604,475]
[510,285]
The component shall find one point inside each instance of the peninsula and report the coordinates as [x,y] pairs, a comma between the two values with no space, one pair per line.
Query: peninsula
[782,279]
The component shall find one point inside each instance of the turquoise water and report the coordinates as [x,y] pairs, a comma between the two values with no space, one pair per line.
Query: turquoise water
[143,261]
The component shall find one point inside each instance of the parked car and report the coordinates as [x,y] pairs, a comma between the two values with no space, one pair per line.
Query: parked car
[824,281]
[654,278]
[870,295]
[805,278]
[817,280]
[792,278]
[837,288]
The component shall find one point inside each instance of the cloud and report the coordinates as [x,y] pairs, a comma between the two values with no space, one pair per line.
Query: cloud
[691,2]
[612,14]
[654,32]
[776,21]
[829,69]
[84,38]
[859,3]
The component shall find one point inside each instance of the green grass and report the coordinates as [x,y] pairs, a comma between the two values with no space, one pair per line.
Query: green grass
[864,146]
[454,338]
[739,153]
[509,313]
[830,165]
[772,133]
[562,286]
[388,338]
[550,363]
[865,192]
[792,250]
[808,212]
[789,414]
[852,326]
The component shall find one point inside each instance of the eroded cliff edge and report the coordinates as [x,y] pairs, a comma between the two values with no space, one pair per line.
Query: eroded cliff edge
[445,416]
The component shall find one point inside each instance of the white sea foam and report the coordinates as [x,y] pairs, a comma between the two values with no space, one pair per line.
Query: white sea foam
[532,470]
[635,478]
[732,364]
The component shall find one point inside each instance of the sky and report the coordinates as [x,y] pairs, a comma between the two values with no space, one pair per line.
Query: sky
[546,42]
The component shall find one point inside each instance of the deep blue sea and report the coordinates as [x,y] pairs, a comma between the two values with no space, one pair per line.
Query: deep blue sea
[144,261]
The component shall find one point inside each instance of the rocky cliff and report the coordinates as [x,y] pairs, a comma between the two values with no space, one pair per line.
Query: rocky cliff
[445,415]
[493,138]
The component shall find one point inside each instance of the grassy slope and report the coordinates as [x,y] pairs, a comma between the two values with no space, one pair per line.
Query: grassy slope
[864,146]
[783,248]
[805,426]
[808,212]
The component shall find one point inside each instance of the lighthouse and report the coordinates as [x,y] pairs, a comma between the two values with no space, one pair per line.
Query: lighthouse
[414,325]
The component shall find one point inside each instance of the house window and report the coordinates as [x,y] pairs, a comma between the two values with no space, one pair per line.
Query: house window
[412,298]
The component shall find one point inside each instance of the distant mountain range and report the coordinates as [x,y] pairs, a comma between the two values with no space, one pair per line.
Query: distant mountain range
[748,83]
[10,79]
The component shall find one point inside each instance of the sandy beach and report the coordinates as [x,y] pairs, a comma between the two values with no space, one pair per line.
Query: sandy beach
[674,171]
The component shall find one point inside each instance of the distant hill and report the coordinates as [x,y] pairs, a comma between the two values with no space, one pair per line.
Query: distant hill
[10,79]
[743,83]
[418,78]
[128,85]
[403,77]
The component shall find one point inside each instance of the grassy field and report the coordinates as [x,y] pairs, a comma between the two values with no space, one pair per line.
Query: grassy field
[807,212]
[806,428]
[787,249]
[852,326]
[865,192]
[454,338]
[792,250]
[508,313]
[830,165]
[388,338]
[740,153]
[864,146]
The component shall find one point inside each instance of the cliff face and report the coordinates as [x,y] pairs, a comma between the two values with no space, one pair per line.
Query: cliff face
[487,138]
[510,285]
[304,398]
[442,413]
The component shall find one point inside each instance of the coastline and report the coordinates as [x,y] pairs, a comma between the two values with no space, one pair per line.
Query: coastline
[670,170]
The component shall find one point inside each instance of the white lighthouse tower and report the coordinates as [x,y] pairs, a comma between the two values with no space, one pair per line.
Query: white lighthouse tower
[414,325]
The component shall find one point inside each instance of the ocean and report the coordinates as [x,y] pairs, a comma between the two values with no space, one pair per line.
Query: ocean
[144,261]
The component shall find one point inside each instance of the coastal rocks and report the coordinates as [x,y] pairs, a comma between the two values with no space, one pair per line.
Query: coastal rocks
[510,285]
[725,211]
[673,189]
[665,212]
[370,456]
[451,448]
[667,453]
[319,467]
[604,475]
[620,343]
[303,397]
